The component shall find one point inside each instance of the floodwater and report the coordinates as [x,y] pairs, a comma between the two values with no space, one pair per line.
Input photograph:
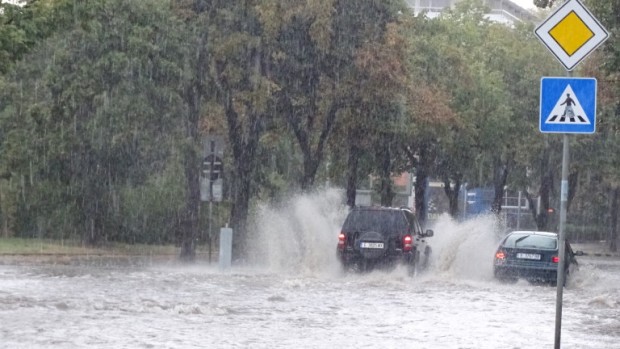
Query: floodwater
[291,294]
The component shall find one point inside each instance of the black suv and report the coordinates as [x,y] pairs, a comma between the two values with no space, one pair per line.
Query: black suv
[382,237]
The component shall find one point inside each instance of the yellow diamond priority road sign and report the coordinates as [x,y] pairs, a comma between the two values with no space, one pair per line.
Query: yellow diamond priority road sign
[571,33]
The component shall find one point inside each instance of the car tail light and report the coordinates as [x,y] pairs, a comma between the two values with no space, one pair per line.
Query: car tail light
[407,243]
[342,238]
[500,255]
[555,259]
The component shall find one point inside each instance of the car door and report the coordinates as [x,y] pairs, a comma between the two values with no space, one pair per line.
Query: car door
[571,261]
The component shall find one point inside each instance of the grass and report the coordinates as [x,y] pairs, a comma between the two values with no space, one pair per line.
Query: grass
[48,246]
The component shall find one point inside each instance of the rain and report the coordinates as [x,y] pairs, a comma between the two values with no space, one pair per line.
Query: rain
[132,133]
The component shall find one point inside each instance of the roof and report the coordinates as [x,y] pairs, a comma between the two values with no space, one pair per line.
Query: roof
[532,232]
[381,208]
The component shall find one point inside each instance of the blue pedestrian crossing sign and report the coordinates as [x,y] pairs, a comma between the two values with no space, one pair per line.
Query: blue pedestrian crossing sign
[567,105]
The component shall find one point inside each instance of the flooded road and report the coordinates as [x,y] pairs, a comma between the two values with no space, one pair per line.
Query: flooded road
[291,294]
[201,307]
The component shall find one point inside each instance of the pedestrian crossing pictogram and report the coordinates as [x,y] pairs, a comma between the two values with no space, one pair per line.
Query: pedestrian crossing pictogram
[568,109]
[567,105]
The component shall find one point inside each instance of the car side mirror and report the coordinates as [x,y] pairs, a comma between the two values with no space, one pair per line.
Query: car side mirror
[579,253]
[429,233]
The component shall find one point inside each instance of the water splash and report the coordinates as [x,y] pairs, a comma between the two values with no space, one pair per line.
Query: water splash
[299,234]
[465,249]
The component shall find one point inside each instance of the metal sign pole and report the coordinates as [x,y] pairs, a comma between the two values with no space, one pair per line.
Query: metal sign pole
[561,239]
[561,242]
[571,33]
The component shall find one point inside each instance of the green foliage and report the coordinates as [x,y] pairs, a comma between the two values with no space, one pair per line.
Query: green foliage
[100,117]
[146,212]
[103,102]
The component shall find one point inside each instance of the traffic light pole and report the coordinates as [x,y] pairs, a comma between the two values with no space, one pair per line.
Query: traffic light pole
[210,180]
[211,198]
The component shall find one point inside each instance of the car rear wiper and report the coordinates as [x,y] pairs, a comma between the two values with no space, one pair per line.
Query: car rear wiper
[521,239]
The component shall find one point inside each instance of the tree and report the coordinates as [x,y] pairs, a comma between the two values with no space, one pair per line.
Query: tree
[97,115]
[240,66]
[602,152]
[477,97]
[194,93]
[24,26]
[433,62]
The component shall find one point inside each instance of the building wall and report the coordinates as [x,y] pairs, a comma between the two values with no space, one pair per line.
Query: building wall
[503,11]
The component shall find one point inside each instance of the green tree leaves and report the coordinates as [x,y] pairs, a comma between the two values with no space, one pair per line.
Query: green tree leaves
[103,105]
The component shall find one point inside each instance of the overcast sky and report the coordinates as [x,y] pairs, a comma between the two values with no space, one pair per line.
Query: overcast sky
[529,4]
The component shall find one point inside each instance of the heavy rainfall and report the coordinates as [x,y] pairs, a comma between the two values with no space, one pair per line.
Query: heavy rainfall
[136,137]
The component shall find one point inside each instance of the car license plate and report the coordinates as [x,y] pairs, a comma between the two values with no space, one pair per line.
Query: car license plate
[371,245]
[534,256]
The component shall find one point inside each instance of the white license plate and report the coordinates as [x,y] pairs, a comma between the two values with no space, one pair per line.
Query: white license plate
[371,245]
[534,256]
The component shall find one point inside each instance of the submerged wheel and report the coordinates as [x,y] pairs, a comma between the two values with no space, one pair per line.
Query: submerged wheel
[411,269]
[505,279]
[413,264]
[427,257]
[554,282]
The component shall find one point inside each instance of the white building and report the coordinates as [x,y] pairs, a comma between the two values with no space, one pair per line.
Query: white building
[502,11]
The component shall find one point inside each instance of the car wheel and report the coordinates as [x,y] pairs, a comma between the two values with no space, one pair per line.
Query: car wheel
[507,280]
[503,278]
[554,282]
[347,267]
[413,264]
[364,266]
[411,269]
[427,257]
[351,266]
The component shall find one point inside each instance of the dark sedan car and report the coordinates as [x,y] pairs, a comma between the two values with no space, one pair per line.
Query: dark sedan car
[532,255]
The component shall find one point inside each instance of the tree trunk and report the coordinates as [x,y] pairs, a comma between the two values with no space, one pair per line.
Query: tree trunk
[191,158]
[352,163]
[239,215]
[499,182]
[546,185]
[573,180]
[422,170]
[531,204]
[244,131]
[386,187]
[421,182]
[613,229]
[189,216]
[244,159]
[191,164]
[311,166]
[453,195]
[542,219]
[312,155]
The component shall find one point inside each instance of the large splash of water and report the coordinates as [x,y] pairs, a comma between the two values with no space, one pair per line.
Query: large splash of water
[300,235]
[465,249]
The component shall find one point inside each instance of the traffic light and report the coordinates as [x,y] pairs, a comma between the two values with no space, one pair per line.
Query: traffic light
[212,167]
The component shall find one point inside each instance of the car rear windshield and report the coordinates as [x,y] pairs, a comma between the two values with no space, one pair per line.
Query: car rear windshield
[531,241]
[375,220]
